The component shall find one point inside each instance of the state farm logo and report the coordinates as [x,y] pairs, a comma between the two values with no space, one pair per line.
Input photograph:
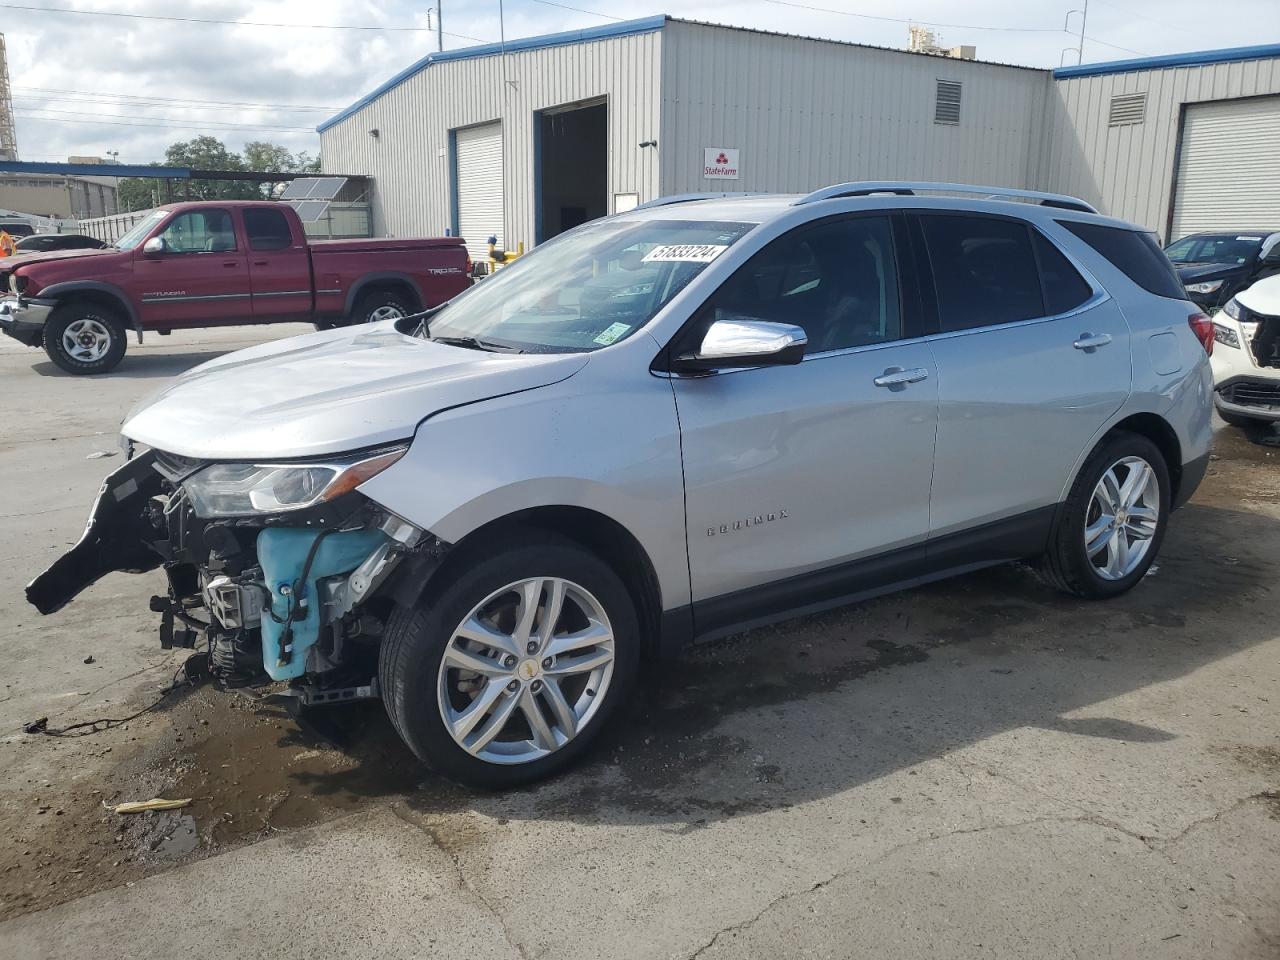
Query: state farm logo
[720,163]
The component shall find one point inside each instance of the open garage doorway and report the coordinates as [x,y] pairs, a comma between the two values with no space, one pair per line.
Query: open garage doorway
[572,166]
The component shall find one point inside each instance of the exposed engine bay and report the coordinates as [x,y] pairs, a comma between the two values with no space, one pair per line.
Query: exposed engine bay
[299,596]
[1266,340]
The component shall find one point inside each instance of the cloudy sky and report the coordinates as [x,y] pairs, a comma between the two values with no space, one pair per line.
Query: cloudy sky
[89,84]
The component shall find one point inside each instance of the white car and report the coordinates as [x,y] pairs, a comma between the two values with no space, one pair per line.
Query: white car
[1246,367]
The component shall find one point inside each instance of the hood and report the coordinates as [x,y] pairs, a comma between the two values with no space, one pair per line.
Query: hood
[1263,297]
[27,259]
[1199,272]
[328,392]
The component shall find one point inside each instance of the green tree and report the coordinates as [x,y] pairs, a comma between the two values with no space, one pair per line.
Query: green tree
[209,153]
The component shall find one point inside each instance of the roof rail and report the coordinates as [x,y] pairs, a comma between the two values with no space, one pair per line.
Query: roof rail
[866,188]
[689,197]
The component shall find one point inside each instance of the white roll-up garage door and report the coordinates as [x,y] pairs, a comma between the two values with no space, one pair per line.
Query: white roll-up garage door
[1227,170]
[479,184]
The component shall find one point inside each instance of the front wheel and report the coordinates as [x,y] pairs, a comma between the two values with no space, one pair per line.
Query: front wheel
[1110,527]
[83,337]
[513,665]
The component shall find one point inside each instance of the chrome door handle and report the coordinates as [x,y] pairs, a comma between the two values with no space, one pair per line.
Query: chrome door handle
[897,377]
[1091,341]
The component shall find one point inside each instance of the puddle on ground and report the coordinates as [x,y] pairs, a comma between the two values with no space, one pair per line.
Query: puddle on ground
[181,841]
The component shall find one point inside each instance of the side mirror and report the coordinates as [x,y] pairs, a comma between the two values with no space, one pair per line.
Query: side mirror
[746,343]
[156,245]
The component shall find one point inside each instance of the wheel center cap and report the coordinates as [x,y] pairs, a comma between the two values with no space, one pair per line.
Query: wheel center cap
[1122,516]
[528,669]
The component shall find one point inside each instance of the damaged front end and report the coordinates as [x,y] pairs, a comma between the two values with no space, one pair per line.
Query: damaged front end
[283,572]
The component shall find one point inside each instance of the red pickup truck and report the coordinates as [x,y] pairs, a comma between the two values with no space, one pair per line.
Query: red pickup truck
[216,263]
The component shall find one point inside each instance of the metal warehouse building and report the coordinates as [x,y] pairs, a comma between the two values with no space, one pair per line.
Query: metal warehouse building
[526,140]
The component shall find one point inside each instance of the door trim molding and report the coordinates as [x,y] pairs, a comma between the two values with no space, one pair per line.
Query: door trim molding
[1013,538]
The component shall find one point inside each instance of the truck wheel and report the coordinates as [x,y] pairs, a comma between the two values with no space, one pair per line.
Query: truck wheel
[83,337]
[380,305]
[512,665]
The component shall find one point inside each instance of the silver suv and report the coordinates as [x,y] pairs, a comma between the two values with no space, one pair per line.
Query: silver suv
[667,425]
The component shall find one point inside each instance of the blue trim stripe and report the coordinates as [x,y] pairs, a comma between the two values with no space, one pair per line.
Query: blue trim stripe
[626,28]
[94,170]
[1195,59]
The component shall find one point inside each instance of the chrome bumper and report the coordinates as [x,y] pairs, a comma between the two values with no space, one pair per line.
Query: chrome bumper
[24,319]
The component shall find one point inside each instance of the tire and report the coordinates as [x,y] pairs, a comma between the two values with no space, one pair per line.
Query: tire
[415,678]
[83,337]
[377,305]
[1067,564]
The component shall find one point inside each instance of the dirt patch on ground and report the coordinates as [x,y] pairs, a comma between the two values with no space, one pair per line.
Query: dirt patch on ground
[249,768]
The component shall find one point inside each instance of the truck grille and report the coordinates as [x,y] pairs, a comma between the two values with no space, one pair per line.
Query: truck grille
[1253,393]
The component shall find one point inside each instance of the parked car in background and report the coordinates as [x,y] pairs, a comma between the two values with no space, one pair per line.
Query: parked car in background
[1246,368]
[1215,266]
[17,228]
[45,242]
[216,263]
[672,423]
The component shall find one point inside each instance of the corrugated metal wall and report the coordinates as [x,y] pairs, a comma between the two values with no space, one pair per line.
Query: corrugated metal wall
[409,159]
[1127,171]
[807,113]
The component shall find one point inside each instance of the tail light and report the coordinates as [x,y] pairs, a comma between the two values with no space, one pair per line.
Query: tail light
[1202,327]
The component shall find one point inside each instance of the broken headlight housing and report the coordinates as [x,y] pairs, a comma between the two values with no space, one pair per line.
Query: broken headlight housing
[246,489]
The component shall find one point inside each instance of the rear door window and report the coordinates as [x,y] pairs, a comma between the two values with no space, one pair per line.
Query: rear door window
[1133,253]
[1064,288]
[984,270]
[267,229]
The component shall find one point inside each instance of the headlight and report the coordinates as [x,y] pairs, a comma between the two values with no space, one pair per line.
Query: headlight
[1232,309]
[243,489]
[1207,287]
[1226,336]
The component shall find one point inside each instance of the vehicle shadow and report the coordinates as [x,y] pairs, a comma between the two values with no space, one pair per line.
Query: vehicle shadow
[788,714]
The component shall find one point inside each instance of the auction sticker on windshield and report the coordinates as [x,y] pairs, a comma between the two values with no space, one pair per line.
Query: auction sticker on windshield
[685,253]
[612,333]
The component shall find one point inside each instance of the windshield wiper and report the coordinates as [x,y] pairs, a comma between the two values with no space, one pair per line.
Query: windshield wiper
[475,343]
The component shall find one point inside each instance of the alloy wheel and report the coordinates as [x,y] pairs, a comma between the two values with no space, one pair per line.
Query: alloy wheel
[87,339]
[385,312]
[526,670]
[1123,517]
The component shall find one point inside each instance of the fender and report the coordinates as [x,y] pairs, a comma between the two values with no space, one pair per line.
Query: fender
[61,291]
[375,278]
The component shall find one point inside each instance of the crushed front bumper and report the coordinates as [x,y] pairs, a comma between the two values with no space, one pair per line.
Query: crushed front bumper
[275,598]
[1246,396]
[24,319]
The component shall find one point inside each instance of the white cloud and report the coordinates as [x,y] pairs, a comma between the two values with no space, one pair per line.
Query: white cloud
[331,68]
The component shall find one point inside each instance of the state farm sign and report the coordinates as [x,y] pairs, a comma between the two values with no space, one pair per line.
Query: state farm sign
[720,163]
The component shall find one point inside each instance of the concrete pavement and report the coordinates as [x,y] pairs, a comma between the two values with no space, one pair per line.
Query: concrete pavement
[975,769]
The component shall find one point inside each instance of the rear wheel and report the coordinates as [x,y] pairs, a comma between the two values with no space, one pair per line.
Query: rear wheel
[378,305]
[83,337]
[513,665]
[1110,528]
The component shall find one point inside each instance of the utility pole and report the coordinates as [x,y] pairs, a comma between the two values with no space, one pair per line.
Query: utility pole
[439,26]
[1066,25]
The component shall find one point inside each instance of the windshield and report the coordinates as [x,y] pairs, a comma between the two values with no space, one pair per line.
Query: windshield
[1228,249]
[587,289]
[140,230]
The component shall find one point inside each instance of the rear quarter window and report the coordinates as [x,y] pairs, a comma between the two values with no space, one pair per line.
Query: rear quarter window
[1133,253]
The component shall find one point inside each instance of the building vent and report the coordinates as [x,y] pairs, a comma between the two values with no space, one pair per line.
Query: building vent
[946,108]
[1126,109]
